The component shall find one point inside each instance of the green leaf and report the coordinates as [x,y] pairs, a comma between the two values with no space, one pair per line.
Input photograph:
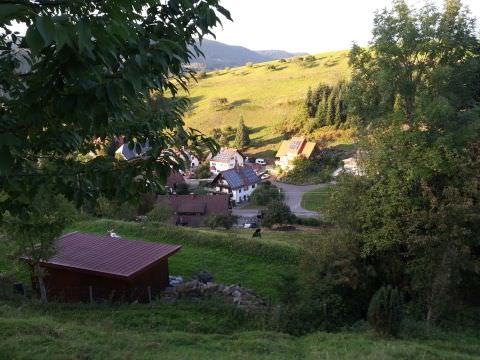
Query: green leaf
[10,11]
[34,40]
[46,27]
[84,37]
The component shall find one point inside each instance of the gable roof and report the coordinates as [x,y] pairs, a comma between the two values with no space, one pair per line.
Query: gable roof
[239,177]
[104,255]
[225,155]
[201,204]
[297,146]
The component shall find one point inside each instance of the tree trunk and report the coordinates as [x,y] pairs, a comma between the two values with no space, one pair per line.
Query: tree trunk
[41,284]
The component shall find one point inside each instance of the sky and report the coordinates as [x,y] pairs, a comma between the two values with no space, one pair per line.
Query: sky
[311,26]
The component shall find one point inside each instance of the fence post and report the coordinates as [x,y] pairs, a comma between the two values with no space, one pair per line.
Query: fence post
[149,290]
[90,293]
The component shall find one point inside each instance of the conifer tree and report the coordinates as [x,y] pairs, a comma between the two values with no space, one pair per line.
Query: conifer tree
[242,138]
[330,112]
[322,110]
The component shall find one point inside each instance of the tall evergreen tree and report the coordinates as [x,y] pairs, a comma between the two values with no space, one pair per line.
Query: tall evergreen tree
[321,115]
[330,113]
[242,138]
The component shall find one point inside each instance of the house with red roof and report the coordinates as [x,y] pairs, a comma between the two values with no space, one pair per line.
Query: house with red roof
[191,210]
[89,267]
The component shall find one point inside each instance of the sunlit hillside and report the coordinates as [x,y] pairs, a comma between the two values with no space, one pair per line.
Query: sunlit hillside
[262,94]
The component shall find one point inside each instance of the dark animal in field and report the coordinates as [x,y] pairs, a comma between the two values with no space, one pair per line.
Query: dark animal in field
[257,233]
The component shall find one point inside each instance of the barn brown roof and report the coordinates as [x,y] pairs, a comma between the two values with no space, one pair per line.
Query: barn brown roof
[104,255]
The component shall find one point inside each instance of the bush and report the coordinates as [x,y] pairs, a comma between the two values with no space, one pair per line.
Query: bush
[161,212]
[314,171]
[219,104]
[221,220]
[203,171]
[265,194]
[271,67]
[182,189]
[249,64]
[201,75]
[310,58]
[385,311]
[147,202]
[308,221]
[282,61]
[277,213]
[114,210]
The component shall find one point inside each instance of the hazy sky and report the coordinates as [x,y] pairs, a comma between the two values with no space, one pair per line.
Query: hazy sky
[305,25]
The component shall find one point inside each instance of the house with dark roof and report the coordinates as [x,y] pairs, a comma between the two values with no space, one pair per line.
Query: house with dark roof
[290,150]
[238,182]
[89,267]
[191,210]
[227,158]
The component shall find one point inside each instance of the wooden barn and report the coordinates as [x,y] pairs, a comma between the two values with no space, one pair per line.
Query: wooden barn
[88,267]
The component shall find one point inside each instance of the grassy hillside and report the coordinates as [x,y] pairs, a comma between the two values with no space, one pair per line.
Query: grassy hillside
[202,329]
[263,96]
[194,331]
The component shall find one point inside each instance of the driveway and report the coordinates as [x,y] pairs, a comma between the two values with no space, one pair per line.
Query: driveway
[293,197]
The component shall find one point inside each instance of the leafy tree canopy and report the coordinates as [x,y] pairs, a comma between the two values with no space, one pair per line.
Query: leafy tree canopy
[86,73]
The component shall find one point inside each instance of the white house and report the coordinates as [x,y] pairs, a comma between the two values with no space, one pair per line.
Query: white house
[226,159]
[239,182]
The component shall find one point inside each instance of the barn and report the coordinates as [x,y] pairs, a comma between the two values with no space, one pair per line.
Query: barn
[88,267]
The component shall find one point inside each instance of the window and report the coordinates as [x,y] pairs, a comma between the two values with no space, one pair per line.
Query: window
[239,190]
[253,186]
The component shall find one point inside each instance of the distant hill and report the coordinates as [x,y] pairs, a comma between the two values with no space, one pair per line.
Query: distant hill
[264,95]
[278,54]
[221,56]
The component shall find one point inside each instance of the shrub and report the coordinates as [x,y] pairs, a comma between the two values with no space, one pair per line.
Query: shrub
[310,58]
[201,75]
[182,189]
[219,104]
[147,202]
[277,213]
[220,220]
[114,210]
[161,212]
[385,311]
[249,64]
[203,171]
[271,67]
[282,61]
[265,194]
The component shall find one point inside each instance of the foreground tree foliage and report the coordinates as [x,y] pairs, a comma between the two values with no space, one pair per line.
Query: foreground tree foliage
[385,311]
[84,74]
[415,214]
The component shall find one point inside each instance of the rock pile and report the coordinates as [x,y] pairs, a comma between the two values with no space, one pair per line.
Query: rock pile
[245,299]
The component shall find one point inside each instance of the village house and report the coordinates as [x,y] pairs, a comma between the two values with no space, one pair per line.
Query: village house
[226,159]
[191,210]
[239,183]
[290,150]
[88,267]
[125,153]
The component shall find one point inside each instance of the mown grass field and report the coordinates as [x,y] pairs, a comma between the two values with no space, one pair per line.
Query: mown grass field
[316,200]
[201,329]
[264,97]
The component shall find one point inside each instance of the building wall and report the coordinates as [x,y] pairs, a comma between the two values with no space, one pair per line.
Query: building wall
[74,286]
[222,166]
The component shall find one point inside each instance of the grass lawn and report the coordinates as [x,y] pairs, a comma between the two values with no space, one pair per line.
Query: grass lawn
[194,330]
[316,200]
[264,97]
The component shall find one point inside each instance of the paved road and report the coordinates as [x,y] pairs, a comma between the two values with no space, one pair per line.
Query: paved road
[293,197]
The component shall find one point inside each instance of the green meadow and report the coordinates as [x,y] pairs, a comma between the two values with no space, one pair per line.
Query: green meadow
[262,95]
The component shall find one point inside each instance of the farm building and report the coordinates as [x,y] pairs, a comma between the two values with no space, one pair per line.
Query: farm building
[191,210]
[239,183]
[88,267]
